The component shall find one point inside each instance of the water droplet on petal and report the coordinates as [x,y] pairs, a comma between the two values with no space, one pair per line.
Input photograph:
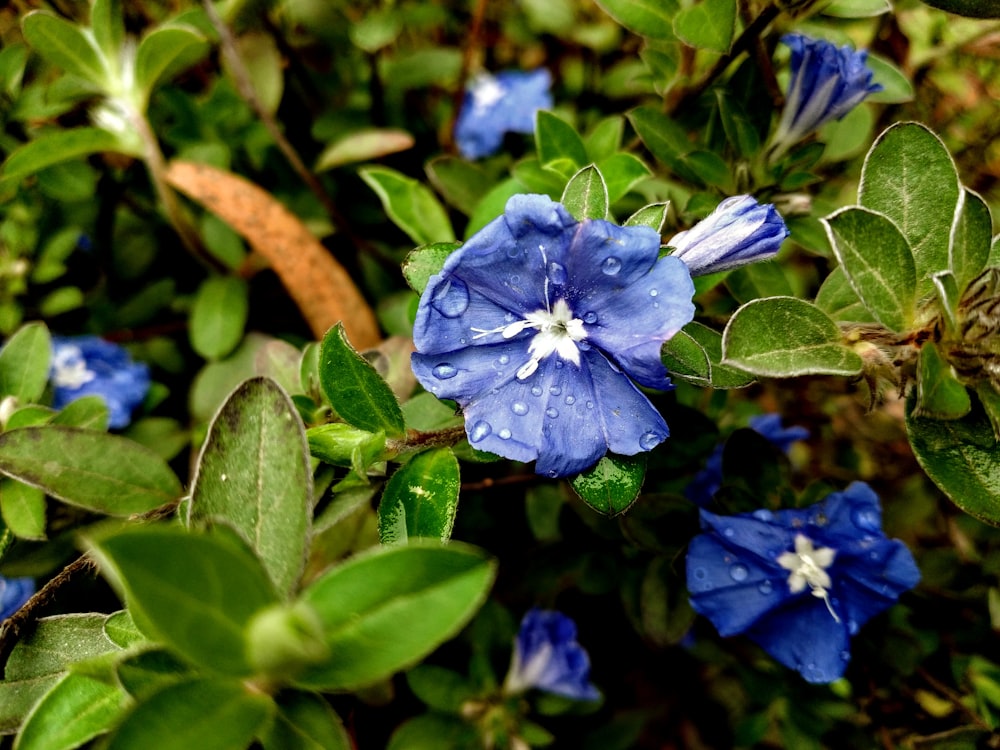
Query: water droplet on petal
[590,317]
[763,514]
[514,279]
[553,473]
[536,390]
[552,412]
[519,408]
[583,346]
[649,441]
[504,359]
[852,627]
[700,573]
[451,298]
[555,390]
[557,273]
[845,655]
[738,572]
[560,364]
[611,265]
[570,400]
[479,431]
[865,518]
[504,434]
[590,404]
[653,292]
[444,371]
[728,532]
[765,587]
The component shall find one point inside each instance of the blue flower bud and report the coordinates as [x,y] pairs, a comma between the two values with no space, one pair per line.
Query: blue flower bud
[500,104]
[90,366]
[739,231]
[547,657]
[14,592]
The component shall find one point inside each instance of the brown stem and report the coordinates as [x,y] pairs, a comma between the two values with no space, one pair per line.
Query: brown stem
[468,52]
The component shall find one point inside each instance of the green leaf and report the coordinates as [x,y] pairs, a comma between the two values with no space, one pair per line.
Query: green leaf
[66,46]
[621,172]
[586,195]
[147,672]
[386,609]
[340,444]
[77,709]
[107,23]
[758,280]
[304,721]
[948,296]
[56,643]
[218,316]
[424,262]
[910,177]
[650,18]
[203,713]
[968,8]
[88,412]
[23,509]
[254,475]
[164,52]
[556,139]
[18,697]
[709,24]
[421,498]
[971,234]
[24,363]
[896,85]
[878,263]
[612,484]
[785,337]
[856,8]
[492,205]
[197,592]
[737,124]
[605,138]
[837,298]
[363,145]
[686,359]
[653,216]
[961,456]
[710,340]
[410,204]
[990,401]
[440,688]
[104,473]
[354,389]
[669,143]
[55,147]
[939,394]
[459,182]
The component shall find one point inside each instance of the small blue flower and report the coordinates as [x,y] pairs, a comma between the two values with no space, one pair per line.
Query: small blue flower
[707,481]
[89,366]
[800,582]
[739,231]
[548,657]
[827,82]
[14,592]
[495,105]
[535,326]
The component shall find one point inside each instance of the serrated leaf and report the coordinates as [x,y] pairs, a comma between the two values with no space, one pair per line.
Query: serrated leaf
[961,456]
[424,262]
[786,337]
[304,721]
[909,177]
[67,46]
[650,18]
[254,475]
[586,195]
[76,710]
[164,52]
[939,394]
[556,139]
[421,498]
[23,509]
[612,484]
[206,713]
[709,24]
[878,263]
[386,609]
[197,592]
[971,235]
[363,145]
[354,389]
[104,473]
[24,363]
[410,204]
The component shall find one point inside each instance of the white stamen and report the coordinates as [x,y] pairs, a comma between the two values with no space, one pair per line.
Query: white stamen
[808,567]
[69,368]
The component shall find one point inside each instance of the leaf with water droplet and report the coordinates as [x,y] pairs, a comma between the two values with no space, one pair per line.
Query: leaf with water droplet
[421,498]
[612,484]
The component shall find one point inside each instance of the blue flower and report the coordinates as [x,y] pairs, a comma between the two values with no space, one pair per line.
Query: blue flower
[495,105]
[535,326]
[739,231]
[707,481]
[14,592]
[800,582]
[827,82]
[548,657]
[90,366]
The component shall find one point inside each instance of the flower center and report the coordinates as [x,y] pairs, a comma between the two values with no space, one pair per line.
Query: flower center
[69,369]
[486,92]
[808,567]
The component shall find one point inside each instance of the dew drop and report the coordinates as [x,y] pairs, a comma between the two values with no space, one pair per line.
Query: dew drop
[852,627]
[555,390]
[513,251]
[700,573]
[444,371]
[451,298]
[590,404]
[611,266]
[552,412]
[536,390]
[504,434]
[653,292]
[649,441]
[763,514]
[590,317]
[557,273]
[728,532]
[514,279]
[765,587]
[570,400]
[503,359]
[560,364]
[553,473]
[583,346]
[738,572]
[519,408]
[479,431]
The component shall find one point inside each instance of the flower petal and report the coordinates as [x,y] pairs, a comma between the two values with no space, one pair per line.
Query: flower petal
[803,635]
